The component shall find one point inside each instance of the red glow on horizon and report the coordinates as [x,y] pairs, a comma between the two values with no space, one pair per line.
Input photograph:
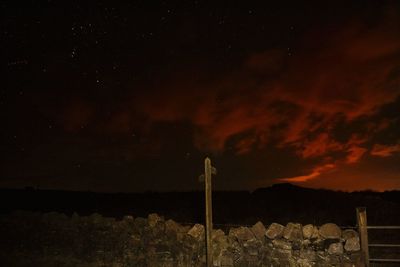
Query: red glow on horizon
[317,171]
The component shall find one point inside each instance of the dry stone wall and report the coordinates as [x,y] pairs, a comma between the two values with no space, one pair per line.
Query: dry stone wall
[57,240]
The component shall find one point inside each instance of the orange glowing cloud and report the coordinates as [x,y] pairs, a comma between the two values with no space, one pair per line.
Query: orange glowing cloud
[317,171]
[354,149]
[355,153]
[294,102]
[319,146]
[366,175]
[383,151]
[297,100]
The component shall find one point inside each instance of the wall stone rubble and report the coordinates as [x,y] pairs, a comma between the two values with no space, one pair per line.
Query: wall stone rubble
[153,241]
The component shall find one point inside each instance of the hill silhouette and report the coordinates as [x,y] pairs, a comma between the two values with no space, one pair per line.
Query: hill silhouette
[278,203]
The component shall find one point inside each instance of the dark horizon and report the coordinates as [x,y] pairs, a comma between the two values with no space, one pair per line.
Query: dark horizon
[198,190]
[280,203]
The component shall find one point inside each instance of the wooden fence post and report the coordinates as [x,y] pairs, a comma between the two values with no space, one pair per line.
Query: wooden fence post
[362,229]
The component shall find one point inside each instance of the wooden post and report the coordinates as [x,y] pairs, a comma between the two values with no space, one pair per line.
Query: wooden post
[362,229]
[209,226]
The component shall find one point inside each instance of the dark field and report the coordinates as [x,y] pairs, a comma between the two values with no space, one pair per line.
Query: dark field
[280,203]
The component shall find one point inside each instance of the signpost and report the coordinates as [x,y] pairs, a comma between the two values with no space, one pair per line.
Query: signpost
[208,172]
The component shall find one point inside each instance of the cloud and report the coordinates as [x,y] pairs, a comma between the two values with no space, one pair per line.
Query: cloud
[315,172]
[355,153]
[354,149]
[296,100]
[322,146]
[384,151]
[319,146]
[368,174]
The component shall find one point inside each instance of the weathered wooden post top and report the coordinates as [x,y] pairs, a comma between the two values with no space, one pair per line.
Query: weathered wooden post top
[208,172]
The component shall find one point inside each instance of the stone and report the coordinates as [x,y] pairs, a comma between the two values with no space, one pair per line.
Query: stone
[281,244]
[184,228]
[281,254]
[241,233]
[293,232]
[318,244]
[135,240]
[352,244]
[330,231]
[220,244]
[275,230]
[109,220]
[75,217]
[128,219]
[54,218]
[171,229]
[258,230]
[171,226]
[220,240]
[182,232]
[217,234]
[315,234]
[252,247]
[308,231]
[225,258]
[153,219]
[138,242]
[333,260]
[95,218]
[140,222]
[308,254]
[304,263]
[349,233]
[190,243]
[297,244]
[164,259]
[197,232]
[335,249]
[236,251]
[226,261]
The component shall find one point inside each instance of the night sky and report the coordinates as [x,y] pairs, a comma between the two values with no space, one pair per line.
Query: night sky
[112,96]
